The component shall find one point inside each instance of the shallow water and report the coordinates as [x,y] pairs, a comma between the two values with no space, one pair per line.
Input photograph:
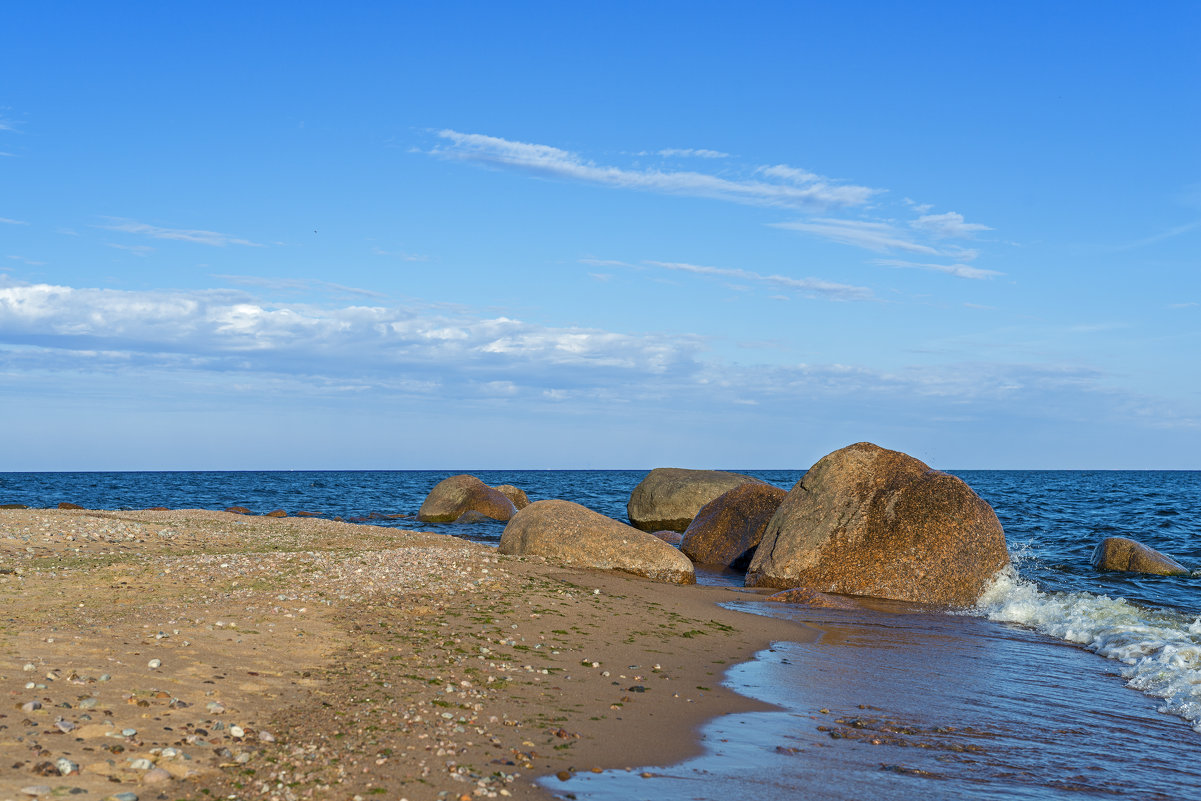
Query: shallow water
[924,705]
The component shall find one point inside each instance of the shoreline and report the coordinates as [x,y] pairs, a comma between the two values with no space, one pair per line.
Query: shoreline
[353,660]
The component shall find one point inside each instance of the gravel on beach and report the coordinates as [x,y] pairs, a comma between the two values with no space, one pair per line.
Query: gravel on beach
[191,654]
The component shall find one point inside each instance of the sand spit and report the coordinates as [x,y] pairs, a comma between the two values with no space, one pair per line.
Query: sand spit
[198,654]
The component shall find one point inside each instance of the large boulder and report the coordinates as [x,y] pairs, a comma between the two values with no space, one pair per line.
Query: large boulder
[728,528]
[870,521]
[571,534]
[515,494]
[1130,556]
[452,497]
[669,497]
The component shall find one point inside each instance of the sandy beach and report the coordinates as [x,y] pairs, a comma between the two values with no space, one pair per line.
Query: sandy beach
[189,654]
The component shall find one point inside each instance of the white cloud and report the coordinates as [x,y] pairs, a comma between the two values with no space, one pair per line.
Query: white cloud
[180,234]
[1187,305]
[958,270]
[10,221]
[945,226]
[871,235]
[554,162]
[228,330]
[793,174]
[689,152]
[808,286]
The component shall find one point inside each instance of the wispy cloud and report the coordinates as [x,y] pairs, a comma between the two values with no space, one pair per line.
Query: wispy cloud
[10,221]
[807,286]
[302,284]
[1170,233]
[197,236]
[396,254]
[946,226]
[958,270]
[1188,305]
[550,161]
[870,235]
[691,152]
[137,250]
[23,260]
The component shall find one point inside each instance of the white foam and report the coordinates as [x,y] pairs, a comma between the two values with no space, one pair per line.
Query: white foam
[1160,651]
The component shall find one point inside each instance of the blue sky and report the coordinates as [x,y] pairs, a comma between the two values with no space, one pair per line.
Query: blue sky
[615,235]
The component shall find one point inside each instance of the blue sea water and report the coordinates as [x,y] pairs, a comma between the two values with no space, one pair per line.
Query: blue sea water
[1075,682]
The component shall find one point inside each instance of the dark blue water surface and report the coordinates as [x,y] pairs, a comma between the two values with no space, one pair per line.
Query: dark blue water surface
[1052,519]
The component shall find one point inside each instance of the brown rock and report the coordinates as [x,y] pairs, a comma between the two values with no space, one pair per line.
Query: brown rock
[13,506]
[574,535]
[808,597]
[453,496]
[276,513]
[870,521]
[669,497]
[1131,556]
[157,509]
[65,505]
[670,537]
[516,495]
[307,514]
[238,510]
[728,528]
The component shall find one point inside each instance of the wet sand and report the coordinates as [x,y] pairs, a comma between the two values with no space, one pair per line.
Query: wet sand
[191,654]
[897,704]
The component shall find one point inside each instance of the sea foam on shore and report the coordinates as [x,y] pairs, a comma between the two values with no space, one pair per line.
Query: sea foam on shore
[1160,650]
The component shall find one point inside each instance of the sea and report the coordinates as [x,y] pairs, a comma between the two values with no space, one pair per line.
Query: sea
[1062,682]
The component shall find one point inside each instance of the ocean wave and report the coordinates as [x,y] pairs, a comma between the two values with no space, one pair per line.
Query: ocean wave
[1160,651]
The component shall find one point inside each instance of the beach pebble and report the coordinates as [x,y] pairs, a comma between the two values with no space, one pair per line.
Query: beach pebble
[129,732]
[37,789]
[156,776]
[89,703]
[141,763]
[121,797]
[65,766]
[29,666]
[237,732]
[266,737]
[64,725]
[214,707]
[154,663]
[30,706]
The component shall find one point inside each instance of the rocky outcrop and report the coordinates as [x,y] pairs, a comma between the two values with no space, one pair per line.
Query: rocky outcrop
[276,513]
[515,495]
[728,528]
[669,497]
[1131,556]
[870,521]
[13,506]
[238,510]
[453,496]
[66,505]
[673,538]
[574,535]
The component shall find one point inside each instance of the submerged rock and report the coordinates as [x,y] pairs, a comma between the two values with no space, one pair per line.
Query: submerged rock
[728,528]
[670,537]
[453,496]
[869,521]
[575,535]
[669,497]
[808,597]
[1131,556]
